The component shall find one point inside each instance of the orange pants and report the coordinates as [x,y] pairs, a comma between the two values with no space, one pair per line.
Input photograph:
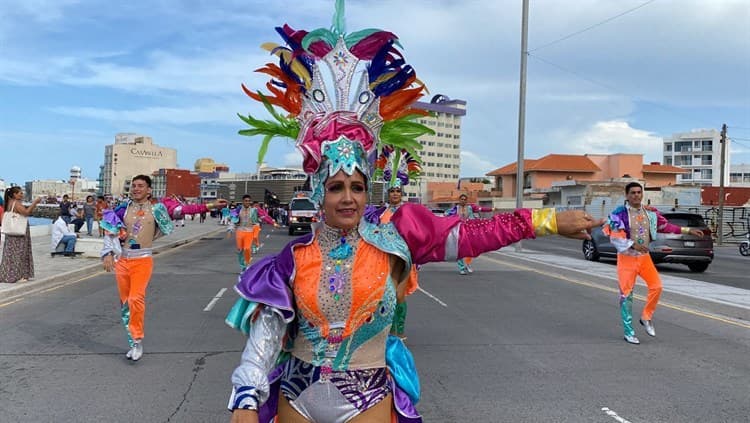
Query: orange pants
[628,267]
[132,277]
[245,240]
[256,235]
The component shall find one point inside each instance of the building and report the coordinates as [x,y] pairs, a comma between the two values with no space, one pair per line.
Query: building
[441,155]
[208,165]
[739,175]
[545,178]
[77,187]
[699,152]
[179,182]
[129,156]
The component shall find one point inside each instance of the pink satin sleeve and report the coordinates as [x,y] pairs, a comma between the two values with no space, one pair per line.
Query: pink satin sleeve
[431,238]
[171,204]
[663,225]
[263,215]
[477,236]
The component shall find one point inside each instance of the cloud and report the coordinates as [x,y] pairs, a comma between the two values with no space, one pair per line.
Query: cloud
[473,164]
[292,159]
[615,136]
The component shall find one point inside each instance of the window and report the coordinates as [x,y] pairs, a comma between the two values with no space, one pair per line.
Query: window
[668,147]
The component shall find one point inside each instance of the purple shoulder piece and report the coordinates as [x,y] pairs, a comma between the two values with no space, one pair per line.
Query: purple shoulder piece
[372,214]
[267,281]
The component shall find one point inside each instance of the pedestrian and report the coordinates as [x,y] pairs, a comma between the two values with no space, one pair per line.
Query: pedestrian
[203,217]
[101,205]
[89,213]
[61,234]
[76,214]
[631,228]
[327,300]
[17,263]
[130,233]
[225,212]
[65,209]
[466,212]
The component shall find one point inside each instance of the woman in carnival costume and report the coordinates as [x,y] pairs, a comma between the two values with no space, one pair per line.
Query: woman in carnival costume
[395,168]
[466,212]
[318,314]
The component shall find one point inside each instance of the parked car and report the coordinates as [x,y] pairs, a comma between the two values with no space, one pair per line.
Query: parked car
[696,252]
[438,212]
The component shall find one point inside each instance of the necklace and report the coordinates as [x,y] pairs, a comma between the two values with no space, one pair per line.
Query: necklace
[338,254]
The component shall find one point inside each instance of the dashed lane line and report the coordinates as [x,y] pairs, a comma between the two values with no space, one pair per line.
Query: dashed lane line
[213,302]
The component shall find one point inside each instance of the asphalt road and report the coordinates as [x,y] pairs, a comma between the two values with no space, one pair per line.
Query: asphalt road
[510,343]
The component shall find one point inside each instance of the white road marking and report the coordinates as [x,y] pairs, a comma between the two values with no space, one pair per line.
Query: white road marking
[215,299]
[614,415]
[433,297]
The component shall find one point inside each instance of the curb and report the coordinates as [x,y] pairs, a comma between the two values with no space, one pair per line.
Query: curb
[36,286]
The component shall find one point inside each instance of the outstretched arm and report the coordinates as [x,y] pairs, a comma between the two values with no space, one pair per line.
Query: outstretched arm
[431,238]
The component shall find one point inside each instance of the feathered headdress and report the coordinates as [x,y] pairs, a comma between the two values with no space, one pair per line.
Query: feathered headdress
[344,127]
[395,167]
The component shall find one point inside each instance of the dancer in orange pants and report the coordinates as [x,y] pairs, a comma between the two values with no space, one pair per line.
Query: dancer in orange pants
[133,276]
[130,233]
[246,221]
[631,228]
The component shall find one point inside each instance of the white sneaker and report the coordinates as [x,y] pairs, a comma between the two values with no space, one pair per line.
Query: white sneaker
[462,272]
[632,339]
[137,351]
[129,354]
[469,269]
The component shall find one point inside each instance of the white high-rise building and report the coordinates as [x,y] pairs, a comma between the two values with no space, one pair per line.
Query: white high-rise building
[441,155]
[700,152]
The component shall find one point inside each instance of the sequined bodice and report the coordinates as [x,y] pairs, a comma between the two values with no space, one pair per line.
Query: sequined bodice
[335,305]
[639,226]
[140,225]
[248,217]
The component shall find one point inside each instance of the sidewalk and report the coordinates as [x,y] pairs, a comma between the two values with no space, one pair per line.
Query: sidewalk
[732,302]
[53,271]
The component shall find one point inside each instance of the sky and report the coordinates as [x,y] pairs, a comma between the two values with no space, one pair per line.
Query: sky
[603,76]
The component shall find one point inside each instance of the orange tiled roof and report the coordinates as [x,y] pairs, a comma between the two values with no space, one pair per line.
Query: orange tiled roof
[551,163]
[650,168]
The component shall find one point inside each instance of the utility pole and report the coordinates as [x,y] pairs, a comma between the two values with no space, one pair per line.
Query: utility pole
[522,110]
[720,224]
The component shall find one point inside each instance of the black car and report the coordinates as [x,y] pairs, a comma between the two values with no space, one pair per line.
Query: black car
[696,252]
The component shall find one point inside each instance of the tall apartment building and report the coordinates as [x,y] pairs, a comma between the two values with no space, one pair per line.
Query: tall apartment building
[739,175]
[129,156]
[700,152]
[441,155]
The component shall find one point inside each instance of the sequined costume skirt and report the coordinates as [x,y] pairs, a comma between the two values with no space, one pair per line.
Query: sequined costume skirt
[331,396]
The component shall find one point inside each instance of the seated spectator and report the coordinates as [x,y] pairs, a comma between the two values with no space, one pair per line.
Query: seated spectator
[61,234]
[76,214]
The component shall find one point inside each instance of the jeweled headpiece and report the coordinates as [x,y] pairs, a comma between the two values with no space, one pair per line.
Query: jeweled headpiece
[395,167]
[344,127]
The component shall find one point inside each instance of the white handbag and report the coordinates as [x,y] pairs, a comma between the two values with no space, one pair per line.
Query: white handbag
[14,224]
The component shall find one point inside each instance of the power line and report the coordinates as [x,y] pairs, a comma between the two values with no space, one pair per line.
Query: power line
[592,26]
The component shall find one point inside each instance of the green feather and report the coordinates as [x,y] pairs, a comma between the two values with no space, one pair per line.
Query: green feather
[319,34]
[339,24]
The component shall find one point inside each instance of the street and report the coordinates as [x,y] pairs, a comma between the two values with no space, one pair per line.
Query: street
[510,343]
